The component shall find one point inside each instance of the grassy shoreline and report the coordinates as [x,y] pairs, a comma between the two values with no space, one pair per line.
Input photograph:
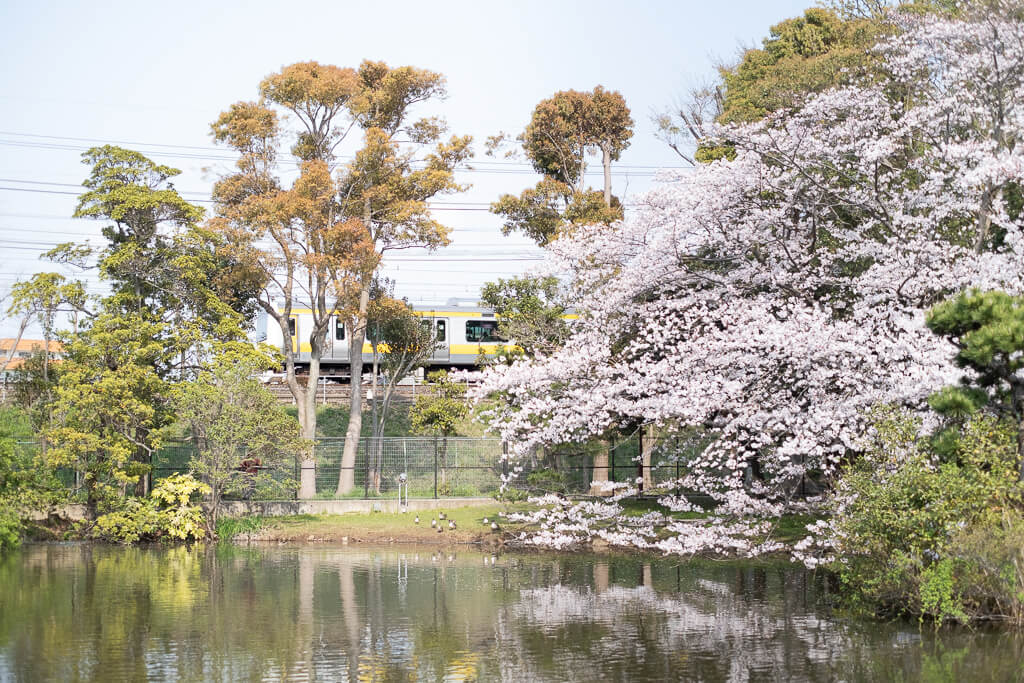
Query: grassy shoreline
[373,527]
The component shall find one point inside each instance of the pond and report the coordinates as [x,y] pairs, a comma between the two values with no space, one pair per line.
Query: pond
[226,613]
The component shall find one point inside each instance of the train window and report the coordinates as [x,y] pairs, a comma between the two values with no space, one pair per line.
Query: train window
[483,331]
[291,326]
[442,330]
[339,329]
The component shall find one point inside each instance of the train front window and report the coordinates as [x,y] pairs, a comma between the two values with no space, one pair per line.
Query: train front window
[483,331]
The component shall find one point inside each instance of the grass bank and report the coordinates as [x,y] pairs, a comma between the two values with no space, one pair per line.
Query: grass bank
[374,527]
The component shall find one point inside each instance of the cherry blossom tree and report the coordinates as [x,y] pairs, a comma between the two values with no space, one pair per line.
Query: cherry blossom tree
[773,299]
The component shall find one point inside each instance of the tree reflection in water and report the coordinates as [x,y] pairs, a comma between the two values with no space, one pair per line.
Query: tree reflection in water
[85,612]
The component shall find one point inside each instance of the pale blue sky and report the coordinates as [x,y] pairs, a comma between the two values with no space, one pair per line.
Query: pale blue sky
[158,74]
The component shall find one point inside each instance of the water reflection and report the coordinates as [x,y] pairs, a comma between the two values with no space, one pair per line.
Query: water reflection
[84,612]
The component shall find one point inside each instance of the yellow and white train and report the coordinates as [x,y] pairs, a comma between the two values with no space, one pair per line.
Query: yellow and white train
[462,333]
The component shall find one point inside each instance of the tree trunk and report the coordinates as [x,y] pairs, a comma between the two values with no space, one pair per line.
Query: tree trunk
[606,161]
[305,403]
[378,428]
[600,474]
[647,444]
[346,478]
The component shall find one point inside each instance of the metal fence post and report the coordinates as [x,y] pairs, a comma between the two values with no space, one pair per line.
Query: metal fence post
[504,461]
[366,469]
[435,467]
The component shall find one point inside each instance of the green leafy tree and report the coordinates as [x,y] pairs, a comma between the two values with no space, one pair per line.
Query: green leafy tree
[166,302]
[825,47]
[110,404]
[530,311]
[25,485]
[439,413]
[916,536]
[34,382]
[402,343]
[235,420]
[988,330]
[562,132]
[43,295]
[801,56]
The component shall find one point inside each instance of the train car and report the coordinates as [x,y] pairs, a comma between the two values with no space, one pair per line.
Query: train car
[461,332]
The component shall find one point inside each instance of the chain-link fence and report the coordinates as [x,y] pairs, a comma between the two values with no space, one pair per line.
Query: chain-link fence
[464,467]
[575,468]
[434,468]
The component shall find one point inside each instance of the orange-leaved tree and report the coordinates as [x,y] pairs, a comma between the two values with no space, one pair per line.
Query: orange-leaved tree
[316,245]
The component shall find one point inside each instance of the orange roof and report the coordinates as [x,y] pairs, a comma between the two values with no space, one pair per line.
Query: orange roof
[29,345]
[18,362]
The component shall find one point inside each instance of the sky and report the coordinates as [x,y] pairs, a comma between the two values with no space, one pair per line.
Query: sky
[153,76]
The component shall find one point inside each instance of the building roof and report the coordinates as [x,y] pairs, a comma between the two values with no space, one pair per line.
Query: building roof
[29,345]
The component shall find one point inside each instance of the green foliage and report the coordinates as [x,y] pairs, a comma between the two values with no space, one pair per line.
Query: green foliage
[114,391]
[548,480]
[563,130]
[25,485]
[180,519]
[34,383]
[801,56]
[229,527]
[110,403]
[569,124]
[169,513]
[529,310]
[988,331]
[907,522]
[234,418]
[440,411]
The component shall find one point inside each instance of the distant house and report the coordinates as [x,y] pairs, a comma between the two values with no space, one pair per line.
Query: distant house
[24,349]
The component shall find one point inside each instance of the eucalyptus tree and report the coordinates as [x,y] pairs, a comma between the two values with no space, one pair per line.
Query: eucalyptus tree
[317,244]
[563,130]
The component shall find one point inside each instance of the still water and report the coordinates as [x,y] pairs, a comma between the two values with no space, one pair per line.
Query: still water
[224,613]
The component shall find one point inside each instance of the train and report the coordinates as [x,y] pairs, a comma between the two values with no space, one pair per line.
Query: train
[461,332]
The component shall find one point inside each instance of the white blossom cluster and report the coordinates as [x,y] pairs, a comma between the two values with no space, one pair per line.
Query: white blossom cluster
[561,525]
[773,299]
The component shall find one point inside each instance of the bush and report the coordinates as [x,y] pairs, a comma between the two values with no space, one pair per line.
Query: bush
[169,513]
[917,535]
[547,480]
[229,527]
[10,528]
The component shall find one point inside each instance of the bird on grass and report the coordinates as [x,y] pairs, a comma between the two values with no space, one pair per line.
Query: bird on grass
[433,523]
[486,520]
[441,515]
[451,523]
[494,526]
[417,520]
[440,529]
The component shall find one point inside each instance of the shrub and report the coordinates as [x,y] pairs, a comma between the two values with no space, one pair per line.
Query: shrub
[918,535]
[547,480]
[168,513]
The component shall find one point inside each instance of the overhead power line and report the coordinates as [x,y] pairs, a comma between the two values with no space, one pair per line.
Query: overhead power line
[226,155]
